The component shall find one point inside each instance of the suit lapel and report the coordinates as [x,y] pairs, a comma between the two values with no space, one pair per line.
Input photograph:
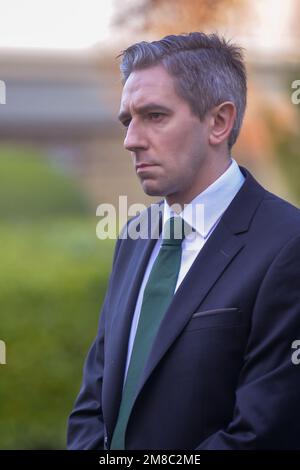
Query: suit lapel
[220,249]
[116,352]
[215,256]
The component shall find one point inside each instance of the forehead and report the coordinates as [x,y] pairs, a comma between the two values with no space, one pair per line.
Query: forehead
[149,84]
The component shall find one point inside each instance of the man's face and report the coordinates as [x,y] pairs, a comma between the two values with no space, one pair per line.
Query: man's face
[168,143]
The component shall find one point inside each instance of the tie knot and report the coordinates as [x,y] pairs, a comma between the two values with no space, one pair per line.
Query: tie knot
[174,231]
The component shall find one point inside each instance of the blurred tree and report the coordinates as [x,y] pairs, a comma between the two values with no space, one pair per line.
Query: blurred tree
[31,187]
[53,280]
[175,16]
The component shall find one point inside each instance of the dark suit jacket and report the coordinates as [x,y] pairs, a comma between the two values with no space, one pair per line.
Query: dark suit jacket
[220,374]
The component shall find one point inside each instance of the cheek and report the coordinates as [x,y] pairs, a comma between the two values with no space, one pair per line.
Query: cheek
[184,136]
[175,142]
[185,149]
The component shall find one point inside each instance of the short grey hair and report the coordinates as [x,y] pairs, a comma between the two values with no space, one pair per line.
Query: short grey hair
[207,70]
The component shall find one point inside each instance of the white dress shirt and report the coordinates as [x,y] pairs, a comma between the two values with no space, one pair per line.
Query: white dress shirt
[203,214]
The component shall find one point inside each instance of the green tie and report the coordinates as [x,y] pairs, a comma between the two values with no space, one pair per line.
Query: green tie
[158,294]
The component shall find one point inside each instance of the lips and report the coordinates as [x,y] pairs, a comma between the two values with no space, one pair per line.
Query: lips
[143,166]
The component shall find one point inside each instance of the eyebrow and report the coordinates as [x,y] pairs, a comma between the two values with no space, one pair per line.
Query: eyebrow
[144,109]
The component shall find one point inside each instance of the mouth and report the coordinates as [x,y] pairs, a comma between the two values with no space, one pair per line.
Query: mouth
[143,167]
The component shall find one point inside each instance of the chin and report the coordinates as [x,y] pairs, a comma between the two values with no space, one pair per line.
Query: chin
[152,190]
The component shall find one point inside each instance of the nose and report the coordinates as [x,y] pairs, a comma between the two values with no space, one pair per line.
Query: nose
[135,138]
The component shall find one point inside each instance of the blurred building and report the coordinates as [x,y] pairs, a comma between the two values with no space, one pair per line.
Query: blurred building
[66,104]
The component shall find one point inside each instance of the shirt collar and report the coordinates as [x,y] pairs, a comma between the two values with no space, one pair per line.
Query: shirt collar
[204,211]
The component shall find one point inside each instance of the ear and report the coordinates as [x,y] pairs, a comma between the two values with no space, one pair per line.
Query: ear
[221,122]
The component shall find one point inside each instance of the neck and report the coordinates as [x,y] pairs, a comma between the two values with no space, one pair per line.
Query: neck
[204,179]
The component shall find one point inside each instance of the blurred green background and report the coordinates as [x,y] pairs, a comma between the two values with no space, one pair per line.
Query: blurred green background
[52,281]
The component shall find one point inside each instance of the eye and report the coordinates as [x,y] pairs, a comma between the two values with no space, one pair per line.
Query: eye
[155,116]
[126,123]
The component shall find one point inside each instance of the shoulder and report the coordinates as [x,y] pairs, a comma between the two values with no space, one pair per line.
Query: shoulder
[139,229]
[271,216]
[144,223]
[279,216]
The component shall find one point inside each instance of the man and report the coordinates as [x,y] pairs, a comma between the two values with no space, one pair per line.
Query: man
[195,341]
